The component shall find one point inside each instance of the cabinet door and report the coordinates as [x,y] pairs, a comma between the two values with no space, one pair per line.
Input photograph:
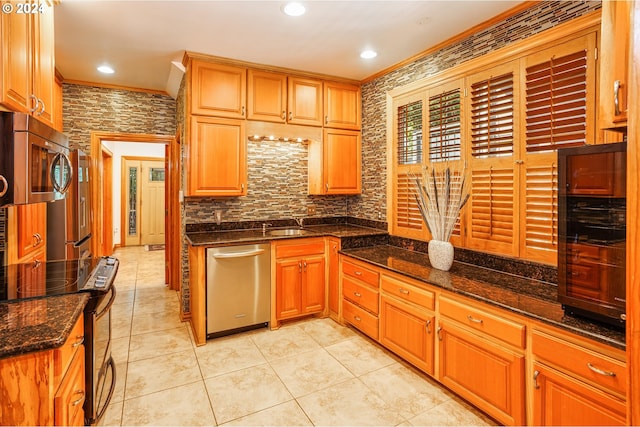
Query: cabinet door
[267,96]
[313,286]
[16,61]
[559,400]
[486,374]
[218,90]
[288,288]
[32,227]
[614,60]
[69,399]
[334,276]
[342,107]
[342,165]
[304,101]
[408,332]
[44,64]
[217,164]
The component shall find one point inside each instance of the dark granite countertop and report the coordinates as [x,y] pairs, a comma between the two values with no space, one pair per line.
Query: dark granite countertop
[38,324]
[528,297]
[214,238]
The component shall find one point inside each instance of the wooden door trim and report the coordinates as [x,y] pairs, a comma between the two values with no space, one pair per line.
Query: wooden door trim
[97,168]
[106,238]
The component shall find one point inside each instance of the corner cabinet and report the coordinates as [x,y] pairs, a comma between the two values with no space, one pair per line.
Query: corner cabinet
[299,278]
[614,62]
[217,157]
[335,164]
[28,64]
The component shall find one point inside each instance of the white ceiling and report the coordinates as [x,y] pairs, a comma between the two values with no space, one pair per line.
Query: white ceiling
[141,38]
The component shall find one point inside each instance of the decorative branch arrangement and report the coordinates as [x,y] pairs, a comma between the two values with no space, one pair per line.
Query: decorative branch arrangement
[441,193]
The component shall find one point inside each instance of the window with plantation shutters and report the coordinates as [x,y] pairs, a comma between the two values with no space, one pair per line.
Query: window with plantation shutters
[409,137]
[556,103]
[444,126]
[492,116]
[407,213]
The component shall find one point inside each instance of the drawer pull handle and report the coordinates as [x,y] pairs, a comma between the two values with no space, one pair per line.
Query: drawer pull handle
[438,331]
[473,319]
[357,318]
[79,401]
[600,371]
[403,291]
[79,342]
[535,379]
[358,294]
[358,273]
[428,326]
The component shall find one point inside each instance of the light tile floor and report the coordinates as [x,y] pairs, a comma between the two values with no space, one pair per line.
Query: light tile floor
[312,372]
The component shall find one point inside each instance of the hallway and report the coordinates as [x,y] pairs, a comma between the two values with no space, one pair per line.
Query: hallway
[313,372]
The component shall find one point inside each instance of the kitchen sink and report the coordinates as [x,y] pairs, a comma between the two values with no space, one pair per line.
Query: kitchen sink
[288,232]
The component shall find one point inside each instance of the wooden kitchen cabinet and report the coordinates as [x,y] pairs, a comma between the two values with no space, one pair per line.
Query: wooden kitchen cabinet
[28,62]
[218,89]
[333,280]
[614,62]
[267,96]
[304,101]
[360,296]
[217,157]
[335,164]
[481,357]
[407,321]
[342,106]
[46,387]
[299,278]
[32,228]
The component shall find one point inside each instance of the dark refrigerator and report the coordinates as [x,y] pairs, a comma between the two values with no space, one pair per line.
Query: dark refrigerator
[68,220]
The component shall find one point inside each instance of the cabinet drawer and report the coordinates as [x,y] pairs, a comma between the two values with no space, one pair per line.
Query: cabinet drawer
[506,330]
[361,273]
[361,319]
[362,295]
[301,248]
[587,364]
[403,290]
[64,354]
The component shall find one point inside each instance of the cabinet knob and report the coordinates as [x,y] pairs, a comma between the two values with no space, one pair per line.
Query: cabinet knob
[357,294]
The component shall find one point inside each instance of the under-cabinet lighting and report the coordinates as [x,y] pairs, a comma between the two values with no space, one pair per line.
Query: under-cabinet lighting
[276,138]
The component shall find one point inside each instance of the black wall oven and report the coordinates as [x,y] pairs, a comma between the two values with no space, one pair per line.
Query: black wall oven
[592,231]
[35,165]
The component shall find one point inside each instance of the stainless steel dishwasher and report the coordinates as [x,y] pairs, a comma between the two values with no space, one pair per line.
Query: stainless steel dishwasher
[238,288]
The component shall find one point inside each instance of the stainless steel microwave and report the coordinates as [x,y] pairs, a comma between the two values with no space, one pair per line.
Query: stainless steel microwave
[35,165]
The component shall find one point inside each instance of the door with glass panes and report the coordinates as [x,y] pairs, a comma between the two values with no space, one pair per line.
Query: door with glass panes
[143,202]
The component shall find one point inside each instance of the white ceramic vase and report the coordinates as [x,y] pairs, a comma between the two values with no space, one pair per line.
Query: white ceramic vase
[440,254]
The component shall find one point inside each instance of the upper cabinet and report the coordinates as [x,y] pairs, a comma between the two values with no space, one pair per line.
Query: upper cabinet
[304,101]
[614,59]
[28,64]
[335,164]
[342,107]
[267,98]
[218,90]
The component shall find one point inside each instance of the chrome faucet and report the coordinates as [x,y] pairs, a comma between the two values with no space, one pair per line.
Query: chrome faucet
[265,225]
[300,221]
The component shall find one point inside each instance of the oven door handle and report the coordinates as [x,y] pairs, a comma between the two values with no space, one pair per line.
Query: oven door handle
[109,304]
[112,389]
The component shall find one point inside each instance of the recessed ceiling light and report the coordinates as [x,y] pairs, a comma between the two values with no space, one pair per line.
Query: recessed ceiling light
[105,69]
[293,9]
[368,54]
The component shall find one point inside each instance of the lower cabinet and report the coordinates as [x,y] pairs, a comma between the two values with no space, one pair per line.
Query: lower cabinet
[300,278]
[46,387]
[561,400]
[574,384]
[484,372]
[360,296]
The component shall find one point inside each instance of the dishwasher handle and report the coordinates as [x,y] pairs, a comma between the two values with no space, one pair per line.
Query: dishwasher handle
[239,254]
